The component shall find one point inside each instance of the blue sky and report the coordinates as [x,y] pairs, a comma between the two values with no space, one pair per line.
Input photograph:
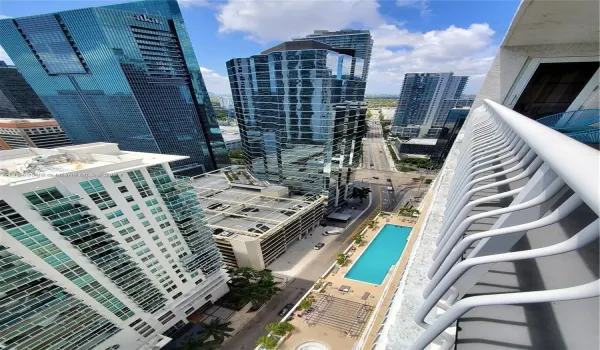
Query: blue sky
[410,35]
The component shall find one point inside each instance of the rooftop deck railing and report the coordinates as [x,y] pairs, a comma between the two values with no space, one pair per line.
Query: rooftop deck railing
[501,143]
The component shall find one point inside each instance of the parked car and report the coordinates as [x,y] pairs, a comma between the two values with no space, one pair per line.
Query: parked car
[330,233]
[214,206]
[263,228]
[318,246]
[286,309]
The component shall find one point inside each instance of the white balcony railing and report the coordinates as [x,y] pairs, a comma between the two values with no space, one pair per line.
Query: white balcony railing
[501,143]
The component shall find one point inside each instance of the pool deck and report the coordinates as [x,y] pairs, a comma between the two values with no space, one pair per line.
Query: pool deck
[335,338]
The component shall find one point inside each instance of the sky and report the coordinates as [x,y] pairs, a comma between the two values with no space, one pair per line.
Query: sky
[409,35]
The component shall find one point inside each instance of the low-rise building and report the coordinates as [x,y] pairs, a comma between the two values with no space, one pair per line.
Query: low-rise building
[415,146]
[37,133]
[254,222]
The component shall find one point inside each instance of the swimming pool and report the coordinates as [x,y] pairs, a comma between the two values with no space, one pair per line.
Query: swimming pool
[383,252]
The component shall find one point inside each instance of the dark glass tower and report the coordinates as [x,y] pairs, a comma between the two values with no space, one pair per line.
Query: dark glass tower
[17,98]
[123,73]
[301,115]
[358,40]
[454,122]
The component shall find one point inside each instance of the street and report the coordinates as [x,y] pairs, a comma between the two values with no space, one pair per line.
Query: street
[374,148]
[298,286]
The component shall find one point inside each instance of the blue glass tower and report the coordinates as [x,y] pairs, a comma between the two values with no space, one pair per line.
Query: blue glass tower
[124,73]
[300,110]
[358,40]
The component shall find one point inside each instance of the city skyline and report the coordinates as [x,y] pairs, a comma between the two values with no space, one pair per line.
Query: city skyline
[439,36]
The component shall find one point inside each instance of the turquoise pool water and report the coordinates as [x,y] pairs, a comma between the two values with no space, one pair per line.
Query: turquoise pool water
[381,254]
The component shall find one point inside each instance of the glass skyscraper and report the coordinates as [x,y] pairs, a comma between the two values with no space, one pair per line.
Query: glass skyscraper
[423,95]
[124,73]
[452,125]
[300,110]
[358,40]
[17,98]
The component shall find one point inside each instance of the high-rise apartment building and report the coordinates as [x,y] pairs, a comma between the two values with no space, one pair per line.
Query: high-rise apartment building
[101,249]
[301,115]
[358,40]
[448,104]
[37,133]
[17,98]
[123,73]
[423,95]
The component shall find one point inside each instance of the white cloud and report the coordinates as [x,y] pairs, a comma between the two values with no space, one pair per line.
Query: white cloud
[397,50]
[264,21]
[215,83]
[464,51]
[422,5]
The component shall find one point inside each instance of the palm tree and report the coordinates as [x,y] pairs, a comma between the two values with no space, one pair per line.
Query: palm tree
[305,304]
[358,239]
[279,328]
[267,342]
[250,285]
[252,293]
[342,259]
[197,343]
[218,330]
[360,193]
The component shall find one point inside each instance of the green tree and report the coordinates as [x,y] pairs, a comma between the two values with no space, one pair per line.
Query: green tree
[218,330]
[197,343]
[360,193]
[279,328]
[267,342]
[341,259]
[237,156]
[369,114]
[252,286]
[305,304]
[358,239]
[236,153]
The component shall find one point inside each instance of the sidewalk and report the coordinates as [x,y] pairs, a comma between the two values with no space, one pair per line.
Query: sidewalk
[390,159]
[301,253]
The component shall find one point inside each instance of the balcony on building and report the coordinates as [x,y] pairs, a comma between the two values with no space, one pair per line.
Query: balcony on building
[508,257]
